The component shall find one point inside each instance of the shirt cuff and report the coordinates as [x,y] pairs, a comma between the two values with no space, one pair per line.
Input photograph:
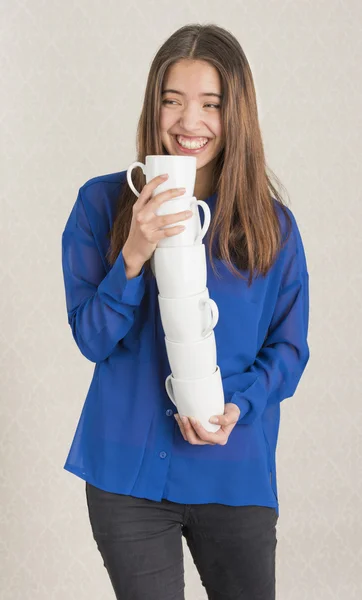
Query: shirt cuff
[242,403]
[116,284]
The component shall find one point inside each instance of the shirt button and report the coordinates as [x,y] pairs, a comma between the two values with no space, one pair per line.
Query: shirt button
[163,454]
[169,412]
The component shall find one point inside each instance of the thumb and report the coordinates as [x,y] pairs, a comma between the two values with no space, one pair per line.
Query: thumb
[230,416]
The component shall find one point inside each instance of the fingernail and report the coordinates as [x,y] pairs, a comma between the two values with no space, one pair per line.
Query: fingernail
[184,419]
[214,420]
[164,176]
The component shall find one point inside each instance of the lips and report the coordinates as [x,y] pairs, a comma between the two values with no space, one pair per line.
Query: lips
[185,150]
[197,150]
[199,138]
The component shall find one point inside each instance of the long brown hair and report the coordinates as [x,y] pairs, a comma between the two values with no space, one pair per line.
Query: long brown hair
[245,224]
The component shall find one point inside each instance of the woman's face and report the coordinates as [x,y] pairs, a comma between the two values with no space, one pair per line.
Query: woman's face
[189,114]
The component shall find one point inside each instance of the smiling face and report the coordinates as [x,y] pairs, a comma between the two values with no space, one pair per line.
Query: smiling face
[190,119]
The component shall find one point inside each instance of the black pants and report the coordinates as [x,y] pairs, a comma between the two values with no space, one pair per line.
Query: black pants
[140,541]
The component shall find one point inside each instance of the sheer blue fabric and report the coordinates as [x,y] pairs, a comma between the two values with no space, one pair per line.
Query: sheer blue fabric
[127,440]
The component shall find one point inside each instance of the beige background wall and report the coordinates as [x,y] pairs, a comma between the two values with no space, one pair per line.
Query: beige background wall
[73,76]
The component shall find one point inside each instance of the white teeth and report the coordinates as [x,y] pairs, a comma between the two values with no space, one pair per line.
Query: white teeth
[191,145]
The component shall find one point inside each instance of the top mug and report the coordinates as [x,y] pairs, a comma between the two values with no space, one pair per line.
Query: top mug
[181,172]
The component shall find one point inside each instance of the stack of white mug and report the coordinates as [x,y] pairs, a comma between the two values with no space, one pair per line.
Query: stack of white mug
[188,314]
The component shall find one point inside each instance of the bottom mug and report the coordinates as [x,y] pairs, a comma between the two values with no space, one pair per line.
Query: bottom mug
[199,398]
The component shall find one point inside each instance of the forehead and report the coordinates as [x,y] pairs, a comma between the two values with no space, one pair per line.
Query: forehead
[193,74]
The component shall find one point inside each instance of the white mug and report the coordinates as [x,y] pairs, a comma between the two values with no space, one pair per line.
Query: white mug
[181,172]
[193,233]
[192,360]
[180,271]
[199,398]
[188,319]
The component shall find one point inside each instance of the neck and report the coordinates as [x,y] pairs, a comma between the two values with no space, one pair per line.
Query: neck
[204,181]
[202,194]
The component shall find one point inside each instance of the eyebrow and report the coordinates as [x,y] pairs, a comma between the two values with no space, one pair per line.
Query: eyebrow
[182,93]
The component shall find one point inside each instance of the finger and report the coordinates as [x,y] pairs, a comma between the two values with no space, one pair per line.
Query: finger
[147,190]
[179,422]
[220,420]
[191,434]
[182,428]
[145,214]
[169,232]
[154,230]
[163,220]
[219,437]
[226,424]
[154,236]
[230,417]
[160,198]
[152,203]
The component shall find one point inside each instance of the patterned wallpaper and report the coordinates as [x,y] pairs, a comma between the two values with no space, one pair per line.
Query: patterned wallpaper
[73,75]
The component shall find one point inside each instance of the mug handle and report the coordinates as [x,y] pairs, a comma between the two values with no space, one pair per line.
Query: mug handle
[129,178]
[207,219]
[169,390]
[214,316]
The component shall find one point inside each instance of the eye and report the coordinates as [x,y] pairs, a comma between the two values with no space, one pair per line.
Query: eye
[171,101]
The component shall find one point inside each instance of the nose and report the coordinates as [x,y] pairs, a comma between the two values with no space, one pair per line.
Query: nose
[190,117]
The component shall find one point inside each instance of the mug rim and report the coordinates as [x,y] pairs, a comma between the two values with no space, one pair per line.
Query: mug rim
[162,156]
[192,380]
[190,343]
[170,248]
[187,297]
[178,198]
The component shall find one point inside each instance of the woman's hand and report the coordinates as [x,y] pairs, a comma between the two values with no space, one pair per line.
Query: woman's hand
[193,432]
[146,227]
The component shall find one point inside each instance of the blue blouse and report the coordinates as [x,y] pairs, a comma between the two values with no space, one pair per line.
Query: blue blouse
[127,440]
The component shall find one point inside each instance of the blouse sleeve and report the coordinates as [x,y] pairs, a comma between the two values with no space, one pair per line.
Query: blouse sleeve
[100,305]
[280,363]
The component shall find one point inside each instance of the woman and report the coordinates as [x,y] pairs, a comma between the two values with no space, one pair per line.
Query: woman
[149,479]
